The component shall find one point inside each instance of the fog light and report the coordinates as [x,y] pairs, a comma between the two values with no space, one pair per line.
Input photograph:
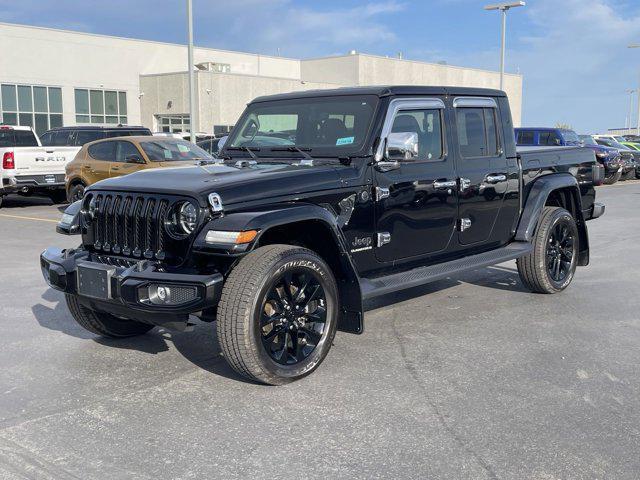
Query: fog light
[169,294]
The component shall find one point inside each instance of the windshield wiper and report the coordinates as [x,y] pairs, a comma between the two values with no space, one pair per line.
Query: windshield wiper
[249,150]
[295,148]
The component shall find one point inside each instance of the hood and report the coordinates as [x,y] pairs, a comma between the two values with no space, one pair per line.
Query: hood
[233,183]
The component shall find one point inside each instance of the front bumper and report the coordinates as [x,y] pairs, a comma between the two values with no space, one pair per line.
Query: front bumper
[128,286]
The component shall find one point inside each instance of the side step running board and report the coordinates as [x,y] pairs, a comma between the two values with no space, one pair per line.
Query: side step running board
[374,287]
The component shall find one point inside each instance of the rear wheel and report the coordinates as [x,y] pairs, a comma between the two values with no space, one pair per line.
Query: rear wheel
[102,323]
[278,313]
[76,192]
[550,267]
[613,177]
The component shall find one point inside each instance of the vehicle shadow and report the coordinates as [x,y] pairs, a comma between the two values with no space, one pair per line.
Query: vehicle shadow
[200,346]
[21,201]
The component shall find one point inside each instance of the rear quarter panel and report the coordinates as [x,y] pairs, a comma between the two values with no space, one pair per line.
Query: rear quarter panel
[577,161]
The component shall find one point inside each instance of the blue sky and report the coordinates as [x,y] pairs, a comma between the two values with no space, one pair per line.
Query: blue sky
[572,53]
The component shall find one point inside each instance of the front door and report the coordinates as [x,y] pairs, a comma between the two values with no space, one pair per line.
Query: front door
[416,207]
[124,163]
[484,171]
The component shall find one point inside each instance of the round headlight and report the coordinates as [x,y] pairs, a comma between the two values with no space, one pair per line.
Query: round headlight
[188,217]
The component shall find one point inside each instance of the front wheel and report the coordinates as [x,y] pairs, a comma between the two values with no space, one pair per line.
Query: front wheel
[278,313]
[613,177]
[104,324]
[550,267]
[76,193]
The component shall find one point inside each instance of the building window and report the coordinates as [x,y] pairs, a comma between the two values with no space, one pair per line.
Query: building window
[100,106]
[35,106]
[174,123]
[222,129]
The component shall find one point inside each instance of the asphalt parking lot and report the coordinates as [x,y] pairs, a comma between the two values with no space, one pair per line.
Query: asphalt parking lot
[478,379]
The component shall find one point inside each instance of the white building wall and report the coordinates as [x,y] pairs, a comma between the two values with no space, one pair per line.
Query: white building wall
[360,69]
[44,56]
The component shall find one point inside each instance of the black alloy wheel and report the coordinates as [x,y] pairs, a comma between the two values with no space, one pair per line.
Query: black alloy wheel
[76,193]
[293,316]
[560,252]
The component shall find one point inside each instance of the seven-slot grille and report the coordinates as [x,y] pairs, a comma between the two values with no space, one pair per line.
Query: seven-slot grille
[130,225]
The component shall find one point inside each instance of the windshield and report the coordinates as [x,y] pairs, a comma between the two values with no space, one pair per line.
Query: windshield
[330,126]
[614,144]
[619,139]
[588,140]
[173,151]
[570,136]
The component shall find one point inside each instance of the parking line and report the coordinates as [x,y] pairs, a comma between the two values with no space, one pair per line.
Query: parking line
[20,217]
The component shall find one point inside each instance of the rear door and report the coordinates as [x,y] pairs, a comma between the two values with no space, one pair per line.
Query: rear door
[416,206]
[97,164]
[486,175]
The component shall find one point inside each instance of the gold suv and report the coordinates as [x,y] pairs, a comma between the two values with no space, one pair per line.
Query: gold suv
[123,155]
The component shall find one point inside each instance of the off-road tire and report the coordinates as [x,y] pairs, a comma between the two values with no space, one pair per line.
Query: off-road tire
[612,178]
[104,324]
[58,196]
[630,175]
[74,191]
[533,266]
[238,329]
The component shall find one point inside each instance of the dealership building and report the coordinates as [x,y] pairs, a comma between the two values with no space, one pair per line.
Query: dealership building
[52,77]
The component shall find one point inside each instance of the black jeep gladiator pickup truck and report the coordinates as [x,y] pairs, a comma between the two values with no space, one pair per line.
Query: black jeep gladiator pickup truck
[319,201]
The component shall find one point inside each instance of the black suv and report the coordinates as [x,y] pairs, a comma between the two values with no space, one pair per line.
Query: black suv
[78,136]
[319,201]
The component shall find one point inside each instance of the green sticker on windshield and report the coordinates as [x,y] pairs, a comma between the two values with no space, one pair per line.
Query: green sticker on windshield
[345,140]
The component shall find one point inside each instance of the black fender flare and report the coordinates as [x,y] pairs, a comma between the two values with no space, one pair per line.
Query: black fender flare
[263,220]
[539,193]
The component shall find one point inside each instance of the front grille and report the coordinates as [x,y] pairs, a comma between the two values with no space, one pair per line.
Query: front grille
[129,225]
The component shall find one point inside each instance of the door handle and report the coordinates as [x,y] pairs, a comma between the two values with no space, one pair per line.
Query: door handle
[444,184]
[115,168]
[496,178]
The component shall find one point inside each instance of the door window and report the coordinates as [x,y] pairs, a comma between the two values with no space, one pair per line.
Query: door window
[86,136]
[60,139]
[477,132]
[103,151]
[549,138]
[427,125]
[525,137]
[125,149]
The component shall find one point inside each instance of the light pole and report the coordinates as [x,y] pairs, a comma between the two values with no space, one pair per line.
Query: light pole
[503,7]
[635,45]
[630,92]
[192,81]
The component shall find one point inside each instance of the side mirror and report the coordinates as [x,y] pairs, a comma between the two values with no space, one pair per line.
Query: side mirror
[401,146]
[134,159]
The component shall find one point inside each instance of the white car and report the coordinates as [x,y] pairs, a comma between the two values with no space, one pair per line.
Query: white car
[27,167]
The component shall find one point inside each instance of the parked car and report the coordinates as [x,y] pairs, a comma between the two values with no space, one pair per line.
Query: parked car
[609,157]
[115,157]
[212,145]
[78,136]
[28,167]
[630,158]
[200,136]
[548,137]
[282,243]
[632,138]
